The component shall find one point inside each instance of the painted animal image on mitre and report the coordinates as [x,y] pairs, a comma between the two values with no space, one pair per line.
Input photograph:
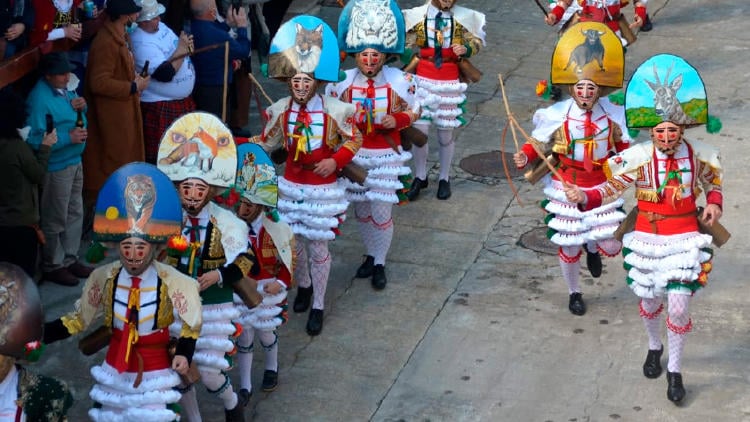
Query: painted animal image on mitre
[588,50]
[198,145]
[376,24]
[665,88]
[304,44]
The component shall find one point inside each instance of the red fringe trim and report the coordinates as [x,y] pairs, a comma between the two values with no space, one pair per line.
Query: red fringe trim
[680,330]
[648,315]
[569,259]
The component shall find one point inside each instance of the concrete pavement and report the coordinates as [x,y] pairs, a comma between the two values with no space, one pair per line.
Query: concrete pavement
[474,327]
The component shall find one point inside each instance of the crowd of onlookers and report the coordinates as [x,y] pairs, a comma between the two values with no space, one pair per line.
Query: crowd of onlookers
[104,99]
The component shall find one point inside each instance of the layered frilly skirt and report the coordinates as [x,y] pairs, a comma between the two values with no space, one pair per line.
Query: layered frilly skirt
[442,101]
[312,211]
[384,167]
[215,342]
[569,226]
[677,263]
[269,314]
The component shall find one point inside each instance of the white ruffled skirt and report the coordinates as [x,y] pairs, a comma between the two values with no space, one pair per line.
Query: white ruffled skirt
[384,166]
[572,226]
[442,101]
[312,211]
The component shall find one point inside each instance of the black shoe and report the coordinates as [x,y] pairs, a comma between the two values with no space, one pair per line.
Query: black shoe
[243,397]
[594,263]
[315,322]
[365,270]
[444,190]
[235,415]
[675,390]
[270,381]
[302,301]
[647,25]
[416,186]
[378,277]
[652,365]
[576,305]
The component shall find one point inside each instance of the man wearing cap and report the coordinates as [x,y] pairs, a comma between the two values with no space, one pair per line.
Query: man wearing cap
[61,203]
[113,89]
[167,96]
[137,299]
[24,396]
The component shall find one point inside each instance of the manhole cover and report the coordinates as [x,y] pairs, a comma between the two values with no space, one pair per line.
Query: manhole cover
[489,164]
[536,240]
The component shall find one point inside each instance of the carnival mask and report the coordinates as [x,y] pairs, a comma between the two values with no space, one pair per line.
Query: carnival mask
[666,137]
[136,255]
[370,61]
[248,211]
[585,93]
[194,195]
[303,87]
[444,5]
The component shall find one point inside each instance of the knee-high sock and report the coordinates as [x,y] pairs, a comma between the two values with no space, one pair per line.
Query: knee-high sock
[650,309]
[320,268]
[219,384]
[447,149]
[245,357]
[570,263]
[419,154]
[364,217]
[270,342]
[610,247]
[189,404]
[382,231]
[302,269]
[678,325]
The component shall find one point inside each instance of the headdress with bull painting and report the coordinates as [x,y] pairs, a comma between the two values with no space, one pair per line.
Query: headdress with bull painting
[588,51]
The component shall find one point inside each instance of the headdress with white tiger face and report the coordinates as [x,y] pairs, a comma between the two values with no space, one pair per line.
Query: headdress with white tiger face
[375,24]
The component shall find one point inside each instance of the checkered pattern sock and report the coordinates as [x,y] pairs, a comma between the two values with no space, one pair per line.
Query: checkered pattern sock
[382,231]
[302,269]
[320,268]
[364,226]
[420,154]
[571,266]
[189,405]
[650,310]
[677,328]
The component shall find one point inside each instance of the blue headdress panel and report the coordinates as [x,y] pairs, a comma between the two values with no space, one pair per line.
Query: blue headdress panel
[304,44]
[137,200]
[256,175]
[665,88]
[376,24]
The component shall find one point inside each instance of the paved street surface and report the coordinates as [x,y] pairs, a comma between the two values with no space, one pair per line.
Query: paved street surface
[475,327]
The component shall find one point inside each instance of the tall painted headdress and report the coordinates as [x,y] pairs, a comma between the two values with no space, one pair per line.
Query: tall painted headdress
[137,200]
[304,44]
[256,175]
[198,145]
[588,50]
[666,88]
[21,318]
[376,24]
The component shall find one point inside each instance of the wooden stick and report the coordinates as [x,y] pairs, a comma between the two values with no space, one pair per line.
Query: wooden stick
[507,110]
[257,84]
[226,83]
[505,166]
[514,123]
